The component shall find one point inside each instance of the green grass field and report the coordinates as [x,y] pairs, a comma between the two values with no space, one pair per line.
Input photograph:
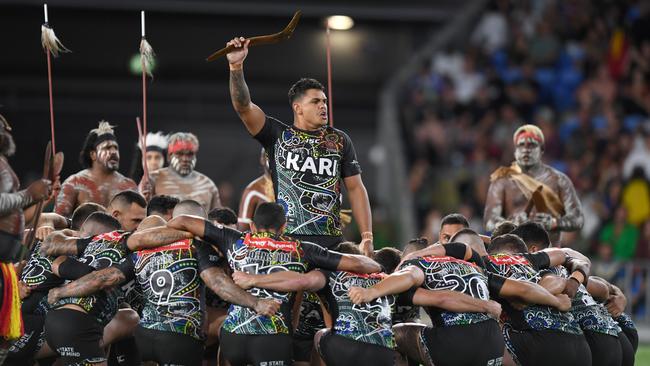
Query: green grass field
[643,355]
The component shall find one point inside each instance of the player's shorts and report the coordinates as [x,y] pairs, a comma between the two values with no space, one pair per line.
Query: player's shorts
[168,348]
[627,348]
[23,350]
[605,349]
[256,350]
[338,350]
[473,344]
[547,347]
[75,336]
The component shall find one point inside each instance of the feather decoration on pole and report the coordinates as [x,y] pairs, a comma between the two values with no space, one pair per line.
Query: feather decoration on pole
[52,47]
[146,60]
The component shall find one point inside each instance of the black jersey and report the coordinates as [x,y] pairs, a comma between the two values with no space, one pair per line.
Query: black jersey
[307,168]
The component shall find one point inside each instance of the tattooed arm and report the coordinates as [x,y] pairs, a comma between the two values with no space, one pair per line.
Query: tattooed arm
[58,243]
[252,116]
[88,284]
[219,282]
[573,218]
[155,237]
[493,214]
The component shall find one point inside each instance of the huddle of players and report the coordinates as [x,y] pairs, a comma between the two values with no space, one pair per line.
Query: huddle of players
[157,258]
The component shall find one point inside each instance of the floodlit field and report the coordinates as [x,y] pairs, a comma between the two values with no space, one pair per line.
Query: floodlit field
[643,355]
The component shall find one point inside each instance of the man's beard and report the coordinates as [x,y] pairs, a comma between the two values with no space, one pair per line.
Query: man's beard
[7,144]
[534,158]
[175,163]
[110,162]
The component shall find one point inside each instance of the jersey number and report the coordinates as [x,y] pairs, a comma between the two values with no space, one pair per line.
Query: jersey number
[162,283]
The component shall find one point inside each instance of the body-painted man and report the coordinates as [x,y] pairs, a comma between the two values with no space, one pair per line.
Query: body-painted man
[532,190]
[12,222]
[179,179]
[100,180]
[258,191]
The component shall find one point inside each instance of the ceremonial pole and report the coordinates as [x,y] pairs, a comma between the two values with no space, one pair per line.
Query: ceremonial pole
[146,61]
[52,47]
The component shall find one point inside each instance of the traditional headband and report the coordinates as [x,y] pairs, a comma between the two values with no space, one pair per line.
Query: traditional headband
[103,138]
[529,132]
[180,146]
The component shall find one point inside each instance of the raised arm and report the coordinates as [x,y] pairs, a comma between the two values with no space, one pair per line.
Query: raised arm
[456,250]
[219,282]
[396,283]
[88,284]
[252,116]
[284,281]
[455,301]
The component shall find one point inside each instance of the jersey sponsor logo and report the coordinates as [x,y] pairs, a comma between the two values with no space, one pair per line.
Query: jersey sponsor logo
[270,244]
[179,245]
[320,166]
[509,260]
[110,236]
[432,259]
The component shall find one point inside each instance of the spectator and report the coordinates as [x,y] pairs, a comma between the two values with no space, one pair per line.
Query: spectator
[620,235]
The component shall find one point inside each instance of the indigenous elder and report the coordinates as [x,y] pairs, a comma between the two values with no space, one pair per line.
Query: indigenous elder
[12,222]
[531,190]
[100,180]
[180,179]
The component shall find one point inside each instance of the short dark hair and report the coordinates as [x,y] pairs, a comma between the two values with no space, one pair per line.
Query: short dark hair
[161,204]
[102,218]
[347,247]
[269,215]
[415,245]
[82,212]
[301,86]
[189,207]
[127,198]
[388,258]
[508,243]
[532,233]
[223,215]
[454,219]
[504,227]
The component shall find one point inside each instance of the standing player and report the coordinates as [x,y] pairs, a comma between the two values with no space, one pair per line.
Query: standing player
[308,160]
[531,190]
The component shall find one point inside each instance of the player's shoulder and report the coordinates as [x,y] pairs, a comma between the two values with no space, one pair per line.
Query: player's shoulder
[556,172]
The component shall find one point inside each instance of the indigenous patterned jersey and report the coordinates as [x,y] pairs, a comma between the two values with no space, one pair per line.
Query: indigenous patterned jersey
[589,314]
[526,267]
[307,168]
[169,277]
[38,275]
[99,252]
[368,322]
[447,273]
[625,321]
[263,253]
[311,318]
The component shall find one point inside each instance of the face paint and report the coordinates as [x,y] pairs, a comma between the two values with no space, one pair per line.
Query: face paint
[528,153]
[108,155]
[183,162]
[155,160]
